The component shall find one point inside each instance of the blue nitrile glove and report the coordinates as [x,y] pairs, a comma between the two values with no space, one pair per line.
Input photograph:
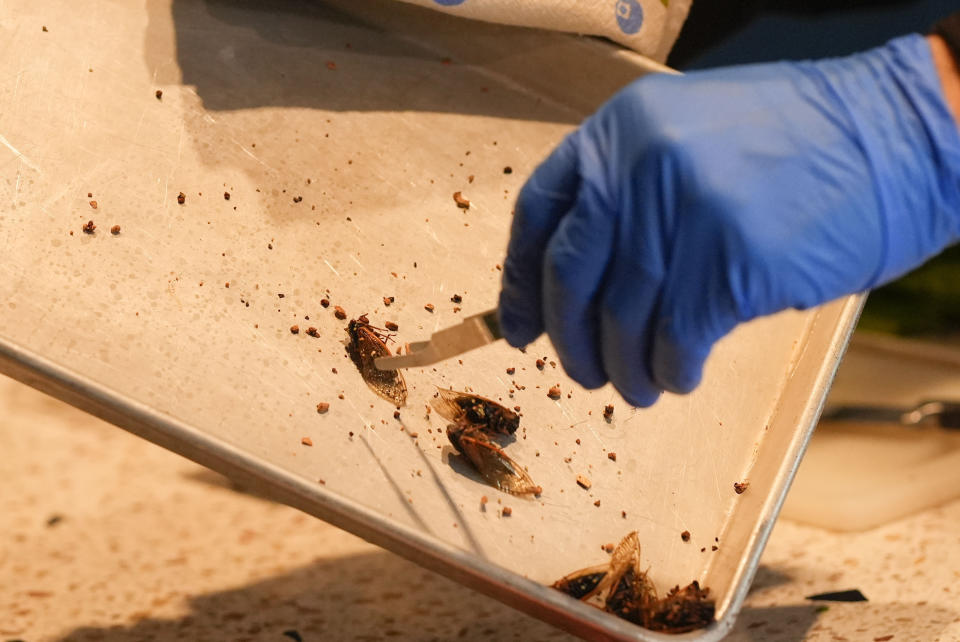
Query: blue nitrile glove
[688,204]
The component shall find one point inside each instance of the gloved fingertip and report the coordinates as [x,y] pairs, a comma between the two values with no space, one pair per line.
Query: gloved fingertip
[677,368]
[589,377]
[519,329]
[643,398]
[591,383]
[682,380]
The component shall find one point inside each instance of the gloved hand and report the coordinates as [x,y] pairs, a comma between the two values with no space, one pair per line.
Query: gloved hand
[688,204]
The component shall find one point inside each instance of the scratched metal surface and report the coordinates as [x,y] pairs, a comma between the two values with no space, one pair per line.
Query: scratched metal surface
[341,131]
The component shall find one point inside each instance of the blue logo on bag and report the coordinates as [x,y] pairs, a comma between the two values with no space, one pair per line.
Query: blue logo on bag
[629,15]
[449,3]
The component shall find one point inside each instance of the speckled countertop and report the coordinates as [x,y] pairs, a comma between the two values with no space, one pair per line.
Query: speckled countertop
[107,537]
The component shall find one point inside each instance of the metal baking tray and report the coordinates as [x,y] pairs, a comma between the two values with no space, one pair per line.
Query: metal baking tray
[341,131]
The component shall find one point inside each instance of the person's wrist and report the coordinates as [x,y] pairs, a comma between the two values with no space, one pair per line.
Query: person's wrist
[948,71]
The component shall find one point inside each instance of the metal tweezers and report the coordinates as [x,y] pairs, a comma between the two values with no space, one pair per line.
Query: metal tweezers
[475,331]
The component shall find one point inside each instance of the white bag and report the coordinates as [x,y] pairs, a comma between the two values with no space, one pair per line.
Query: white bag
[647,26]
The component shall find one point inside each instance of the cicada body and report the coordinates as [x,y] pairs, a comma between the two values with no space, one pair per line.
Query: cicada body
[463,408]
[682,610]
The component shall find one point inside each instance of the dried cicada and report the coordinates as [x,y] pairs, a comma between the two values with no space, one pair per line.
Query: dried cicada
[368,343]
[626,591]
[475,420]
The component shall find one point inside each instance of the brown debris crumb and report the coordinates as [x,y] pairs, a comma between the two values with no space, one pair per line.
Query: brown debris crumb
[297,199]
[428,307]
[387,300]
[226,196]
[612,456]
[608,410]
[461,202]
[685,536]
[89,227]
[396,414]
[322,407]
[339,312]
[93,204]
[325,303]
[540,364]
[306,441]
[159,94]
[44,28]
[714,548]
[510,371]
[483,500]
[623,514]
[583,482]
[390,325]
[739,487]
[115,230]
[554,392]
[181,198]
[312,331]
[507,511]
[508,170]
[597,503]
[608,548]
[883,638]
[456,298]
[294,329]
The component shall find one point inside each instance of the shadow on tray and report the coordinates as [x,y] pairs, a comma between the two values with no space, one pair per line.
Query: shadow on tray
[243,54]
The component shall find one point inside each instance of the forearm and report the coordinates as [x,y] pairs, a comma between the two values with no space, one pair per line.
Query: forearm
[949,73]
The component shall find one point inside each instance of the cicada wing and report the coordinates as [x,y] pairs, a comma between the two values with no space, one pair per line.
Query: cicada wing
[626,554]
[446,405]
[582,584]
[631,594]
[625,557]
[495,467]
[392,388]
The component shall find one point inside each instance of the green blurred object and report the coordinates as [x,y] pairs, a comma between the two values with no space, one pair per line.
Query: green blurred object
[923,304]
